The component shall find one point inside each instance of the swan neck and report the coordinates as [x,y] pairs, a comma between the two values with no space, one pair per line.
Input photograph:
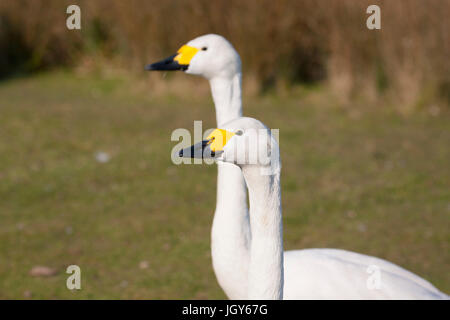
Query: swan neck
[227,96]
[230,236]
[265,277]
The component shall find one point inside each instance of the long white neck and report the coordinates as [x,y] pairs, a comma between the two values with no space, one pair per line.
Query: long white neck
[230,235]
[265,275]
[227,96]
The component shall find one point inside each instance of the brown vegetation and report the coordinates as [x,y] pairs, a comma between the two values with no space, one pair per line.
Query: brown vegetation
[288,41]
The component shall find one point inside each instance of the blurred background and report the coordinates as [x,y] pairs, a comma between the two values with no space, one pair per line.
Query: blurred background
[85,171]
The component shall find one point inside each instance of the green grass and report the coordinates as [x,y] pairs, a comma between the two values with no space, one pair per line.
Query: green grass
[371,181]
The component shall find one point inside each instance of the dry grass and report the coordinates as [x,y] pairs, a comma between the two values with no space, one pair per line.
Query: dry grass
[373,182]
[279,41]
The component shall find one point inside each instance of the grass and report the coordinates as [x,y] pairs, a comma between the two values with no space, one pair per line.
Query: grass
[363,179]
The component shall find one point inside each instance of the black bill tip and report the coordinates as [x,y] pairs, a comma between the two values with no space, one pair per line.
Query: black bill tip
[168,64]
[199,150]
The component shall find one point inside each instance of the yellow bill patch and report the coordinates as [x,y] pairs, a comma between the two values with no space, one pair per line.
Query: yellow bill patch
[185,54]
[219,138]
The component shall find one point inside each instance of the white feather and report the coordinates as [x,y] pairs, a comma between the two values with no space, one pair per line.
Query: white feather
[249,264]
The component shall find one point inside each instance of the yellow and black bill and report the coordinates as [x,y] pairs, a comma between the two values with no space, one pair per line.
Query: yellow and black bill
[178,61]
[210,148]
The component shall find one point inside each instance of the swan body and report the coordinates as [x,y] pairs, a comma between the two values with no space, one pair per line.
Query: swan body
[298,274]
[341,274]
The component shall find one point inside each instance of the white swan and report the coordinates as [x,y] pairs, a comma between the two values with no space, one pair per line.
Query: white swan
[214,57]
[310,273]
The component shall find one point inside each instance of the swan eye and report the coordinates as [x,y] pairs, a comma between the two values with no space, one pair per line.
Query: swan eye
[205,48]
[239,132]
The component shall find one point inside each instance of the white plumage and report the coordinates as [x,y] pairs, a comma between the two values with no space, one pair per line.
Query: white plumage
[249,265]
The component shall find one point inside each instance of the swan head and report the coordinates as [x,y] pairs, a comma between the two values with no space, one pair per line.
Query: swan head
[245,142]
[209,56]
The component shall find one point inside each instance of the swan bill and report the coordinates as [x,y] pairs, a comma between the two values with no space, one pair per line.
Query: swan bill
[178,61]
[200,150]
[209,148]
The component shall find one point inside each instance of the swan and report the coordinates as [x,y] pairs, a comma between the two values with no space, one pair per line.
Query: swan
[214,58]
[248,144]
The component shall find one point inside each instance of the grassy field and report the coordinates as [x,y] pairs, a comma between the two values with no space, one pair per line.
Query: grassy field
[363,179]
